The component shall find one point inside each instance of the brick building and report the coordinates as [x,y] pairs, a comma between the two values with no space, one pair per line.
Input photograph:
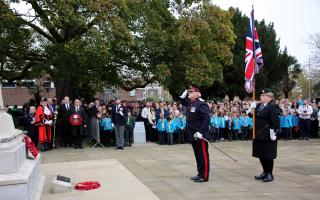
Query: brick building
[14,94]
[19,94]
[153,91]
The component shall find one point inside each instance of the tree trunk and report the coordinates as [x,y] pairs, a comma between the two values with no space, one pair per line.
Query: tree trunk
[63,88]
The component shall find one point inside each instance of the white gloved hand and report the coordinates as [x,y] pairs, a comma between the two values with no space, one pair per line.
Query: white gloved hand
[112,125]
[197,136]
[253,105]
[273,135]
[121,113]
[48,122]
[184,94]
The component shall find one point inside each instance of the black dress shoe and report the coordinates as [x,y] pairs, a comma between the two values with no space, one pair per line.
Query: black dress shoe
[121,148]
[268,178]
[261,176]
[200,180]
[80,147]
[194,177]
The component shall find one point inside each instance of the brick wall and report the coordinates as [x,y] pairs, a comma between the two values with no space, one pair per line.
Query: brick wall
[20,95]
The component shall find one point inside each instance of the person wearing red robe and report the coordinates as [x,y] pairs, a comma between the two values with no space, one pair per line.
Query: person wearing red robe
[44,121]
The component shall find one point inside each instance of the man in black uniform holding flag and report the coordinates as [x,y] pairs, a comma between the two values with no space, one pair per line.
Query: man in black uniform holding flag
[197,127]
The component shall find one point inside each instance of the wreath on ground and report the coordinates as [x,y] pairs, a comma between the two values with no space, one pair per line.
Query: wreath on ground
[88,185]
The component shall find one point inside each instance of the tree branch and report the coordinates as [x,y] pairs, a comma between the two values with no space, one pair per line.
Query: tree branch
[47,23]
[30,57]
[40,31]
[19,76]
[129,88]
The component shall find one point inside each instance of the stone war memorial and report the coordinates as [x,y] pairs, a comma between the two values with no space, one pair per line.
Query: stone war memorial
[20,178]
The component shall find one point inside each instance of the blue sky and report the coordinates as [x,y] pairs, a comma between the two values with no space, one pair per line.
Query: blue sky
[294,21]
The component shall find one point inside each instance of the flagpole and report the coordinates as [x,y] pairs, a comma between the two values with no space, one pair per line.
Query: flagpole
[254,110]
[254,78]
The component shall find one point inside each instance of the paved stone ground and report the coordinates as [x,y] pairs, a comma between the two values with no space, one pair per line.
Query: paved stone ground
[166,170]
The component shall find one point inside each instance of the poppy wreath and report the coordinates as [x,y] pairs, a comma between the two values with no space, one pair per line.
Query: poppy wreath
[88,185]
[75,120]
[30,146]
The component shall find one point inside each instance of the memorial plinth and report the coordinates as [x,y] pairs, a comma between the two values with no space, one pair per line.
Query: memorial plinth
[139,133]
[20,178]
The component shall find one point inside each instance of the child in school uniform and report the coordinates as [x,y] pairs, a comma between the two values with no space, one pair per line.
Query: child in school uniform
[162,125]
[171,129]
[285,124]
[222,126]
[245,125]
[181,124]
[128,129]
[214,127]
[107,126]
[235,126]
[295,125]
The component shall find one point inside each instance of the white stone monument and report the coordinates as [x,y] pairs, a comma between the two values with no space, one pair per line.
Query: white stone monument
[139,133]
[20,178]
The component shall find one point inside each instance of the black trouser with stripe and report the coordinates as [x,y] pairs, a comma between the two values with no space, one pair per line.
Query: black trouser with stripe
[200,148]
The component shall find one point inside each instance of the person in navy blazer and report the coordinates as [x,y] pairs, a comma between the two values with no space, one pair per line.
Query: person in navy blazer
[118,115]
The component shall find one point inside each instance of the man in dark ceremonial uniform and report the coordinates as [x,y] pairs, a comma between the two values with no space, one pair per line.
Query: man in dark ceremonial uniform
[266,126]
[197,127]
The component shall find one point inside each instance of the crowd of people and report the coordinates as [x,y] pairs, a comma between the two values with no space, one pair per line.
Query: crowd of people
[113,122]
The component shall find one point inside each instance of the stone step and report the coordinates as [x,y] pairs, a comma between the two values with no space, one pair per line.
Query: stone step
[22,184]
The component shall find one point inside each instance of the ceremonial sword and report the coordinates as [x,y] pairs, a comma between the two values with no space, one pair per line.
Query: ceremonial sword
[219,149]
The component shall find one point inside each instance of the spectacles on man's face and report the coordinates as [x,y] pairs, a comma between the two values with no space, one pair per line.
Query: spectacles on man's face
[190,91]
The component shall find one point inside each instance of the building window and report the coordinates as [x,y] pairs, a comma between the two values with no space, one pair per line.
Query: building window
[8,85]
[132,93]
[47,84]
[28,83]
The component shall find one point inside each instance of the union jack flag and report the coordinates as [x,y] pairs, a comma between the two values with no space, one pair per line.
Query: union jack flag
[253,59]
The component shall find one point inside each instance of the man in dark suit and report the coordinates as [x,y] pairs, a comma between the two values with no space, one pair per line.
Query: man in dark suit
[118,115]
[264,145]
[78,128]
[64,114]
[51,105]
